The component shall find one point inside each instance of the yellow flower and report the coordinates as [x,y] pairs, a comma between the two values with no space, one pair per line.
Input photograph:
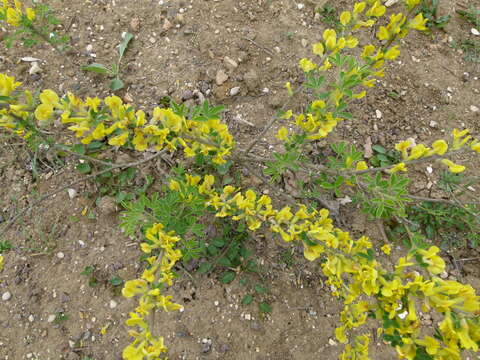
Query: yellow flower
[318,49]
[351,42]
[361,165]
[430,344]
[459,138]
[435,263]
[359,95]
[418,151]
[119,140]
[7,85]
[345,18]
[383,34]
[418,23]
[387,249]
[282,133]
[174,185]
[43,112]
[134,287]
[412,3]
[392,53]
[376,10]
[307,65]
[312,253]
[165,302]
[49,97]
[402,147]
[358,8]
[330,37]
[454,168]
[30,14]
[287,115]
[368,50]
[399,167]
[475,146]
[288,86]
[14,17]
[1,262]
[440,147]
[131,352]
[326,65]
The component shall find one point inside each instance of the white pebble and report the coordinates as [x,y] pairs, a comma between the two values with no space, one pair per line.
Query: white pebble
[248,317]
[234,91]
[31,318]
[429,169]
[72,193]
[378,114]
[300,6]
[433,123]
[475,32]
[216,303]
[113,304]
[89,48]
[60,255]
[51,318]
[6,296]
[474,108]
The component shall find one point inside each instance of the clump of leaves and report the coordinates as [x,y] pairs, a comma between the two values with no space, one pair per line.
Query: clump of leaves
[429,9]
[472,15]
[114,71]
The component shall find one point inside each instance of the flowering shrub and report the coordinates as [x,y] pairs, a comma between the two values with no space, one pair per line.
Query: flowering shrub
[393,296]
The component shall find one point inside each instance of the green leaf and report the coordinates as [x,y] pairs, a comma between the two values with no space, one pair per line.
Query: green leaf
[116,84]
[84,168]
[98,68]
[127,37]
[116,281]
[227,277]
[224,262]
[87,271]
[264,307]
[260,289]
[218,242]
[247,299]
[204,268]
[379,149]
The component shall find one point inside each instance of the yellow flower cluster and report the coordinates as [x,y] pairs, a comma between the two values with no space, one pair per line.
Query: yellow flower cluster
[1,262]
[118,123]
[149,288]
[460,139]
[353,273]
[13,14]
[323,116]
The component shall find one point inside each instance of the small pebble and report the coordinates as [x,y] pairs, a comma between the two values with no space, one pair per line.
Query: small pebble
[31,318]
[474,108]
[234,91]
[378,114]
[300,6]
[51,318]
[89,48]
[72,193]
[6,296]
[332,342]
[475,32]
[113,304]
[60,255]
[221,77]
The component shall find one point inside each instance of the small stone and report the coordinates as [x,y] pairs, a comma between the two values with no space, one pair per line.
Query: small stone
[89,48]
[152,40]
[167,25]
[31,318]
[221,77]
[304,42]
[51,318]
[135,24]
[60,255]
[35,69]
[474,108]
[300,6]
[433,124]
[6,296]
[391,2]
[230,63]
[429,169]
[206,345]
[248,317]
[234,91]
[444,275]
[475,32]
[113,304]
[216,303]
[332,342]
[378,114]
[72,193]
